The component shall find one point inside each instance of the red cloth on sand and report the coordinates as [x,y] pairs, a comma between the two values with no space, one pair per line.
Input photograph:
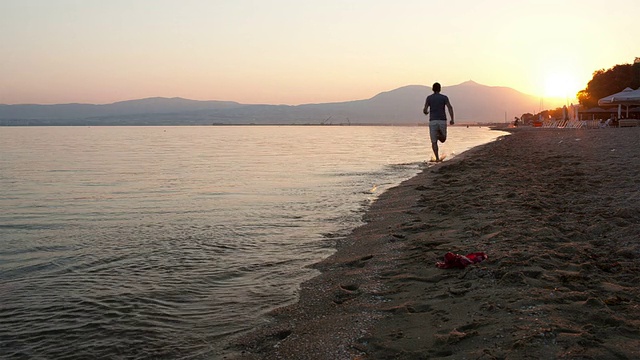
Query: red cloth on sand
[452,260]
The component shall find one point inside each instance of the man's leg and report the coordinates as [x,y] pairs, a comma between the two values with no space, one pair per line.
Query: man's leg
[434,134]
[442,133]
[434,146]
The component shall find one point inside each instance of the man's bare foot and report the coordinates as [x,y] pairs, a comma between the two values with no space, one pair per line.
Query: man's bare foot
[438,159]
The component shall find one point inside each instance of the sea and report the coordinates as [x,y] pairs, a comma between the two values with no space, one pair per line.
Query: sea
[166,242]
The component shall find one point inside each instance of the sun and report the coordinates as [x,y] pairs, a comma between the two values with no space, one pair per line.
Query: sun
[561,85]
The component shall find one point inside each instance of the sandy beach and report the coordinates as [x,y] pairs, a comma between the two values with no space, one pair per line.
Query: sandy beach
[557,211]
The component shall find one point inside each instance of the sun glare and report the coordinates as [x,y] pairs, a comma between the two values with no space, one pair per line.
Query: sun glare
[561,85]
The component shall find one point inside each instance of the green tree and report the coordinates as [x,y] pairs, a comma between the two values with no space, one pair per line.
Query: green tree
[607,82]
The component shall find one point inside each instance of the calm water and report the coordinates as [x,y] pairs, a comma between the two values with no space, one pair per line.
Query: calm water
[162,242]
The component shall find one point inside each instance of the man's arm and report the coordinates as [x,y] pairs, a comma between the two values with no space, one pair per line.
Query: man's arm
[450,113]
[426,107]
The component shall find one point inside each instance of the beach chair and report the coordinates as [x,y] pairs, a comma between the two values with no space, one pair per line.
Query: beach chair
[593,124]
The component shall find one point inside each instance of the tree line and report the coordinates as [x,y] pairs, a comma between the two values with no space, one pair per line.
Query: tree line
[603,83]
[610,81]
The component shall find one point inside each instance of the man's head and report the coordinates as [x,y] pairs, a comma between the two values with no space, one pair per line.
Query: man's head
[436,87]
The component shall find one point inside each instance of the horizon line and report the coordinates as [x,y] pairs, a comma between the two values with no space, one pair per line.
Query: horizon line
[470,81]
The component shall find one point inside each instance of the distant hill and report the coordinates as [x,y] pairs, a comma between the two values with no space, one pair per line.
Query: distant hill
[472,102]
[90,112]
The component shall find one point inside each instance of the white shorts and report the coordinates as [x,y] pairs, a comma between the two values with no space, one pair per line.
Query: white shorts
[438,130]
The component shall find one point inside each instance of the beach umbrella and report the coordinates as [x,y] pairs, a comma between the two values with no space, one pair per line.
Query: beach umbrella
[613,110]
[596,110]
[625,97]
[573,111]
[618,98]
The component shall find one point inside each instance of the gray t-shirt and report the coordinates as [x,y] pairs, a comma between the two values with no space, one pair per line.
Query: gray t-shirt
[436,103]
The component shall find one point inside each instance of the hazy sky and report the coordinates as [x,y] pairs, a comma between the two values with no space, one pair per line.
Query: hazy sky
[302,51]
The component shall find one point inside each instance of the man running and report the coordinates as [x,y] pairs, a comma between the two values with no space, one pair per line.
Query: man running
[437,118]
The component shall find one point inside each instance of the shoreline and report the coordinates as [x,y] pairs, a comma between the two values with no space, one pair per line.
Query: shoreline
[556,210]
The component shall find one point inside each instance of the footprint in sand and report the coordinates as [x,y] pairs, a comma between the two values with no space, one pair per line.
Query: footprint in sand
[360,262]
[345,293]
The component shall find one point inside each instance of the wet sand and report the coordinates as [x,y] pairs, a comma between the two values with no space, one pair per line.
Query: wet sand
[557,211]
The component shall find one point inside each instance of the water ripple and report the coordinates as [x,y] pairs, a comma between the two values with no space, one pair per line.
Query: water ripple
[135,243]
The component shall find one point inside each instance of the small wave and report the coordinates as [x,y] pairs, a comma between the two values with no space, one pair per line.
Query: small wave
[32,226]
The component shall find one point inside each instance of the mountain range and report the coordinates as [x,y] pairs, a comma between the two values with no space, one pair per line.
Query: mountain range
[472,102]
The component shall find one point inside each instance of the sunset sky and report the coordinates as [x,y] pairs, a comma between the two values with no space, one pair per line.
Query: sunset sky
[301,51]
